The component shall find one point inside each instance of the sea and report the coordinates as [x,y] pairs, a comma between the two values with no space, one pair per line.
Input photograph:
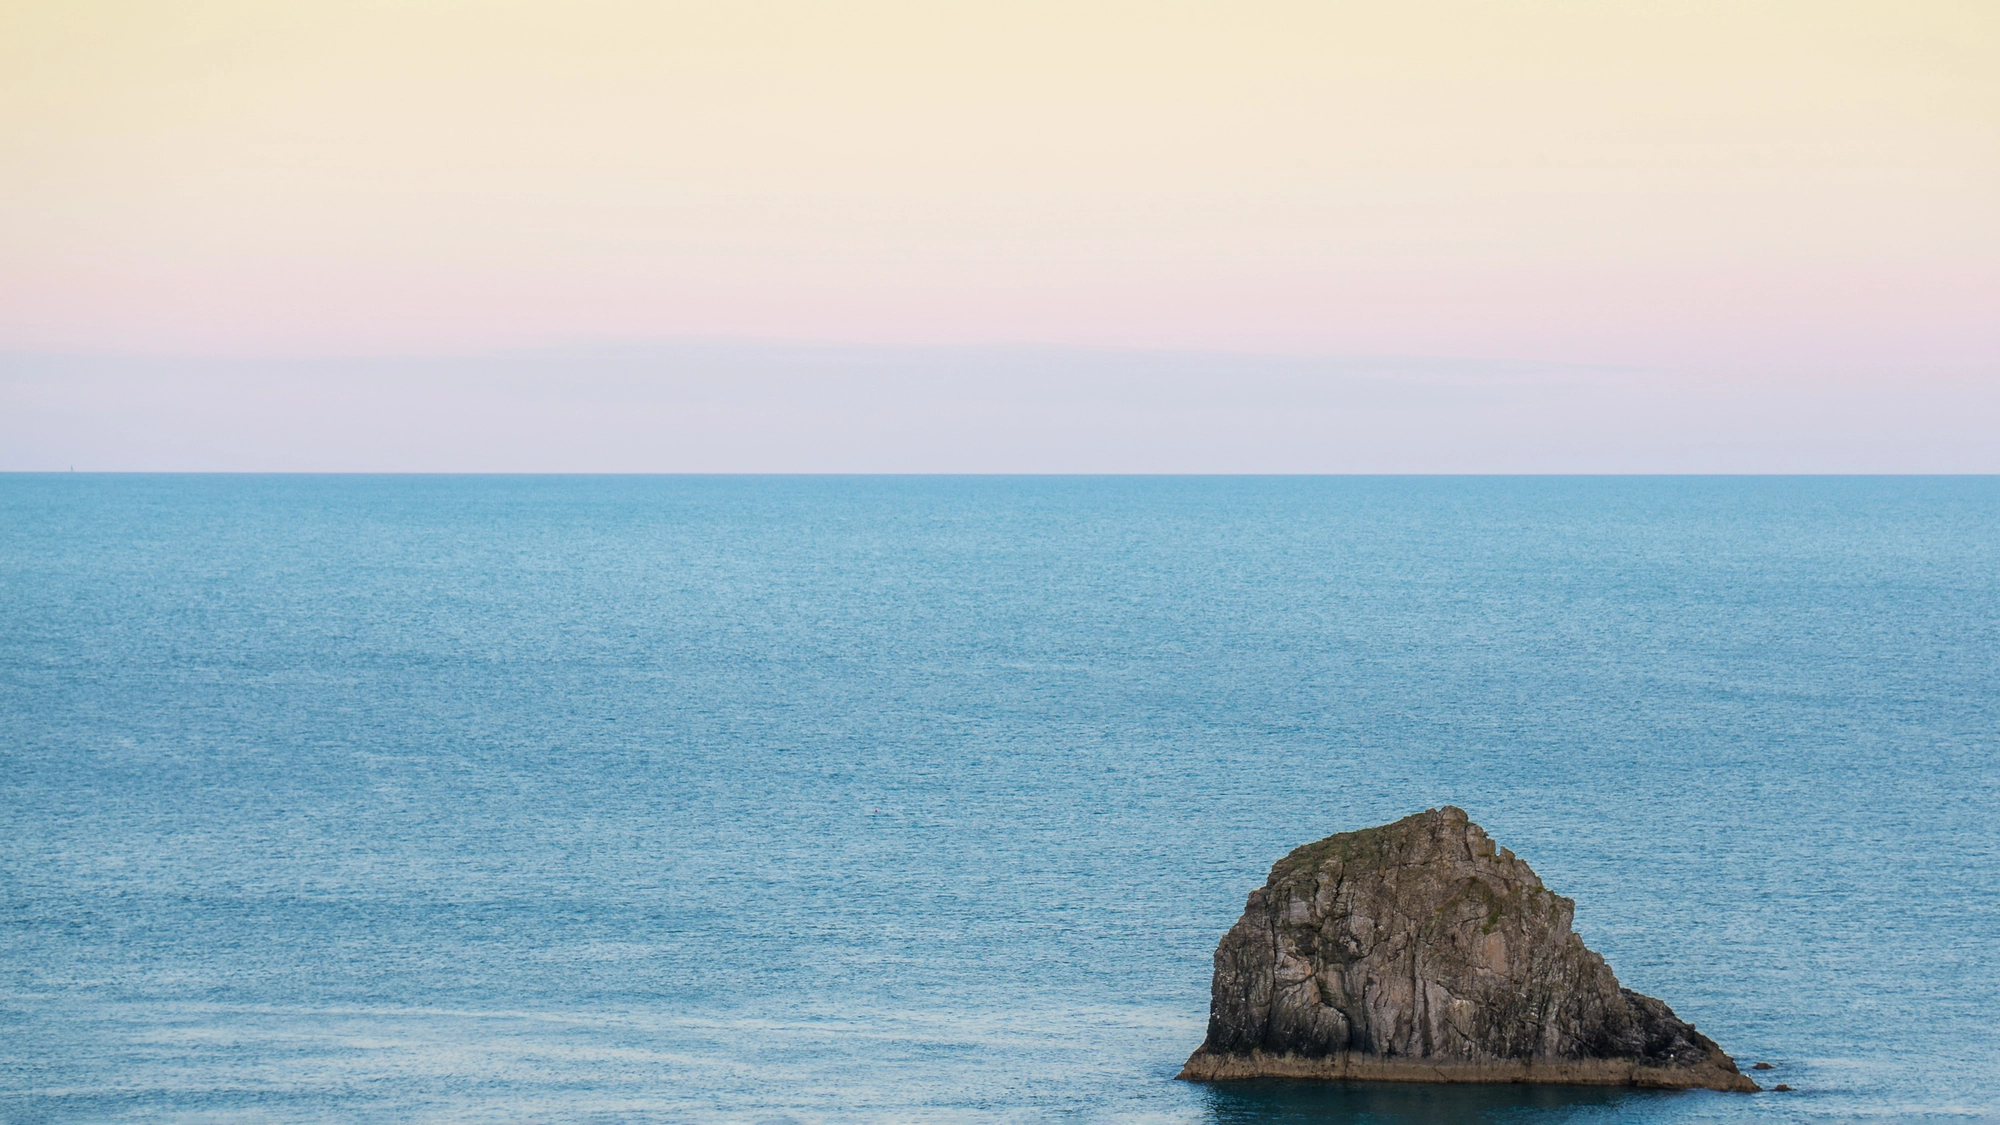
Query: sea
[926,799]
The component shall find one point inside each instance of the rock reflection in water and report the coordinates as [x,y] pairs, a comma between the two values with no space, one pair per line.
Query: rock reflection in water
[1281,1101]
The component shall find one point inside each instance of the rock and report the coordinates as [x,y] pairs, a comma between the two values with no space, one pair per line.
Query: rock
[1782,1088]
[1762,1066]
[1420,952]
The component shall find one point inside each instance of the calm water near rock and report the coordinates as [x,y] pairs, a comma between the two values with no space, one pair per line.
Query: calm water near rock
[926,800]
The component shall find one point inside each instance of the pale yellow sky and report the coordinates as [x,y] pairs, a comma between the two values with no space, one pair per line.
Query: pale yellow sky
[1625,182]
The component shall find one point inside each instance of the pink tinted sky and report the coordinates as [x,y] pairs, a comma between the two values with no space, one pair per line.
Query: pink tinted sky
[1742,235]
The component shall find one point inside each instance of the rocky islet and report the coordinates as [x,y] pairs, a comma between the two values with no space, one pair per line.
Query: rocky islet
[1421,951]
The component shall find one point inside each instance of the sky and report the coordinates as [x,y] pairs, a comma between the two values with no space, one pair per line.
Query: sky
[1429,235]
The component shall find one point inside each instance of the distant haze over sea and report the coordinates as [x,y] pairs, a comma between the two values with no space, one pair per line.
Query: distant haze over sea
[761,406]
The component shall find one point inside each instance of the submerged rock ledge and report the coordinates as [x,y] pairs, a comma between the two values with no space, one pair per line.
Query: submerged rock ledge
[1420,952]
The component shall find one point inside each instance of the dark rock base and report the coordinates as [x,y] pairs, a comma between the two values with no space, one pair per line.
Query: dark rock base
[1354,1067]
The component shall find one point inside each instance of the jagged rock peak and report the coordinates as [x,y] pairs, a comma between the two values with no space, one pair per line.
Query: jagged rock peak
[1421,951]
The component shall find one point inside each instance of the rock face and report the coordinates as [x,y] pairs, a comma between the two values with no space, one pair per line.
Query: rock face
[1420,952]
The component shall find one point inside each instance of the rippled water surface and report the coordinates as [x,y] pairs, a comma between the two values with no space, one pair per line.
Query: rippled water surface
[925,800]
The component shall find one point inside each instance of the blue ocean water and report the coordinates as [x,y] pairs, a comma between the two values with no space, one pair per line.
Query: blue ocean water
[429,799]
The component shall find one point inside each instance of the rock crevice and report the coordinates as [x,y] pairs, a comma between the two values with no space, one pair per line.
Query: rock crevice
[1421,951]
